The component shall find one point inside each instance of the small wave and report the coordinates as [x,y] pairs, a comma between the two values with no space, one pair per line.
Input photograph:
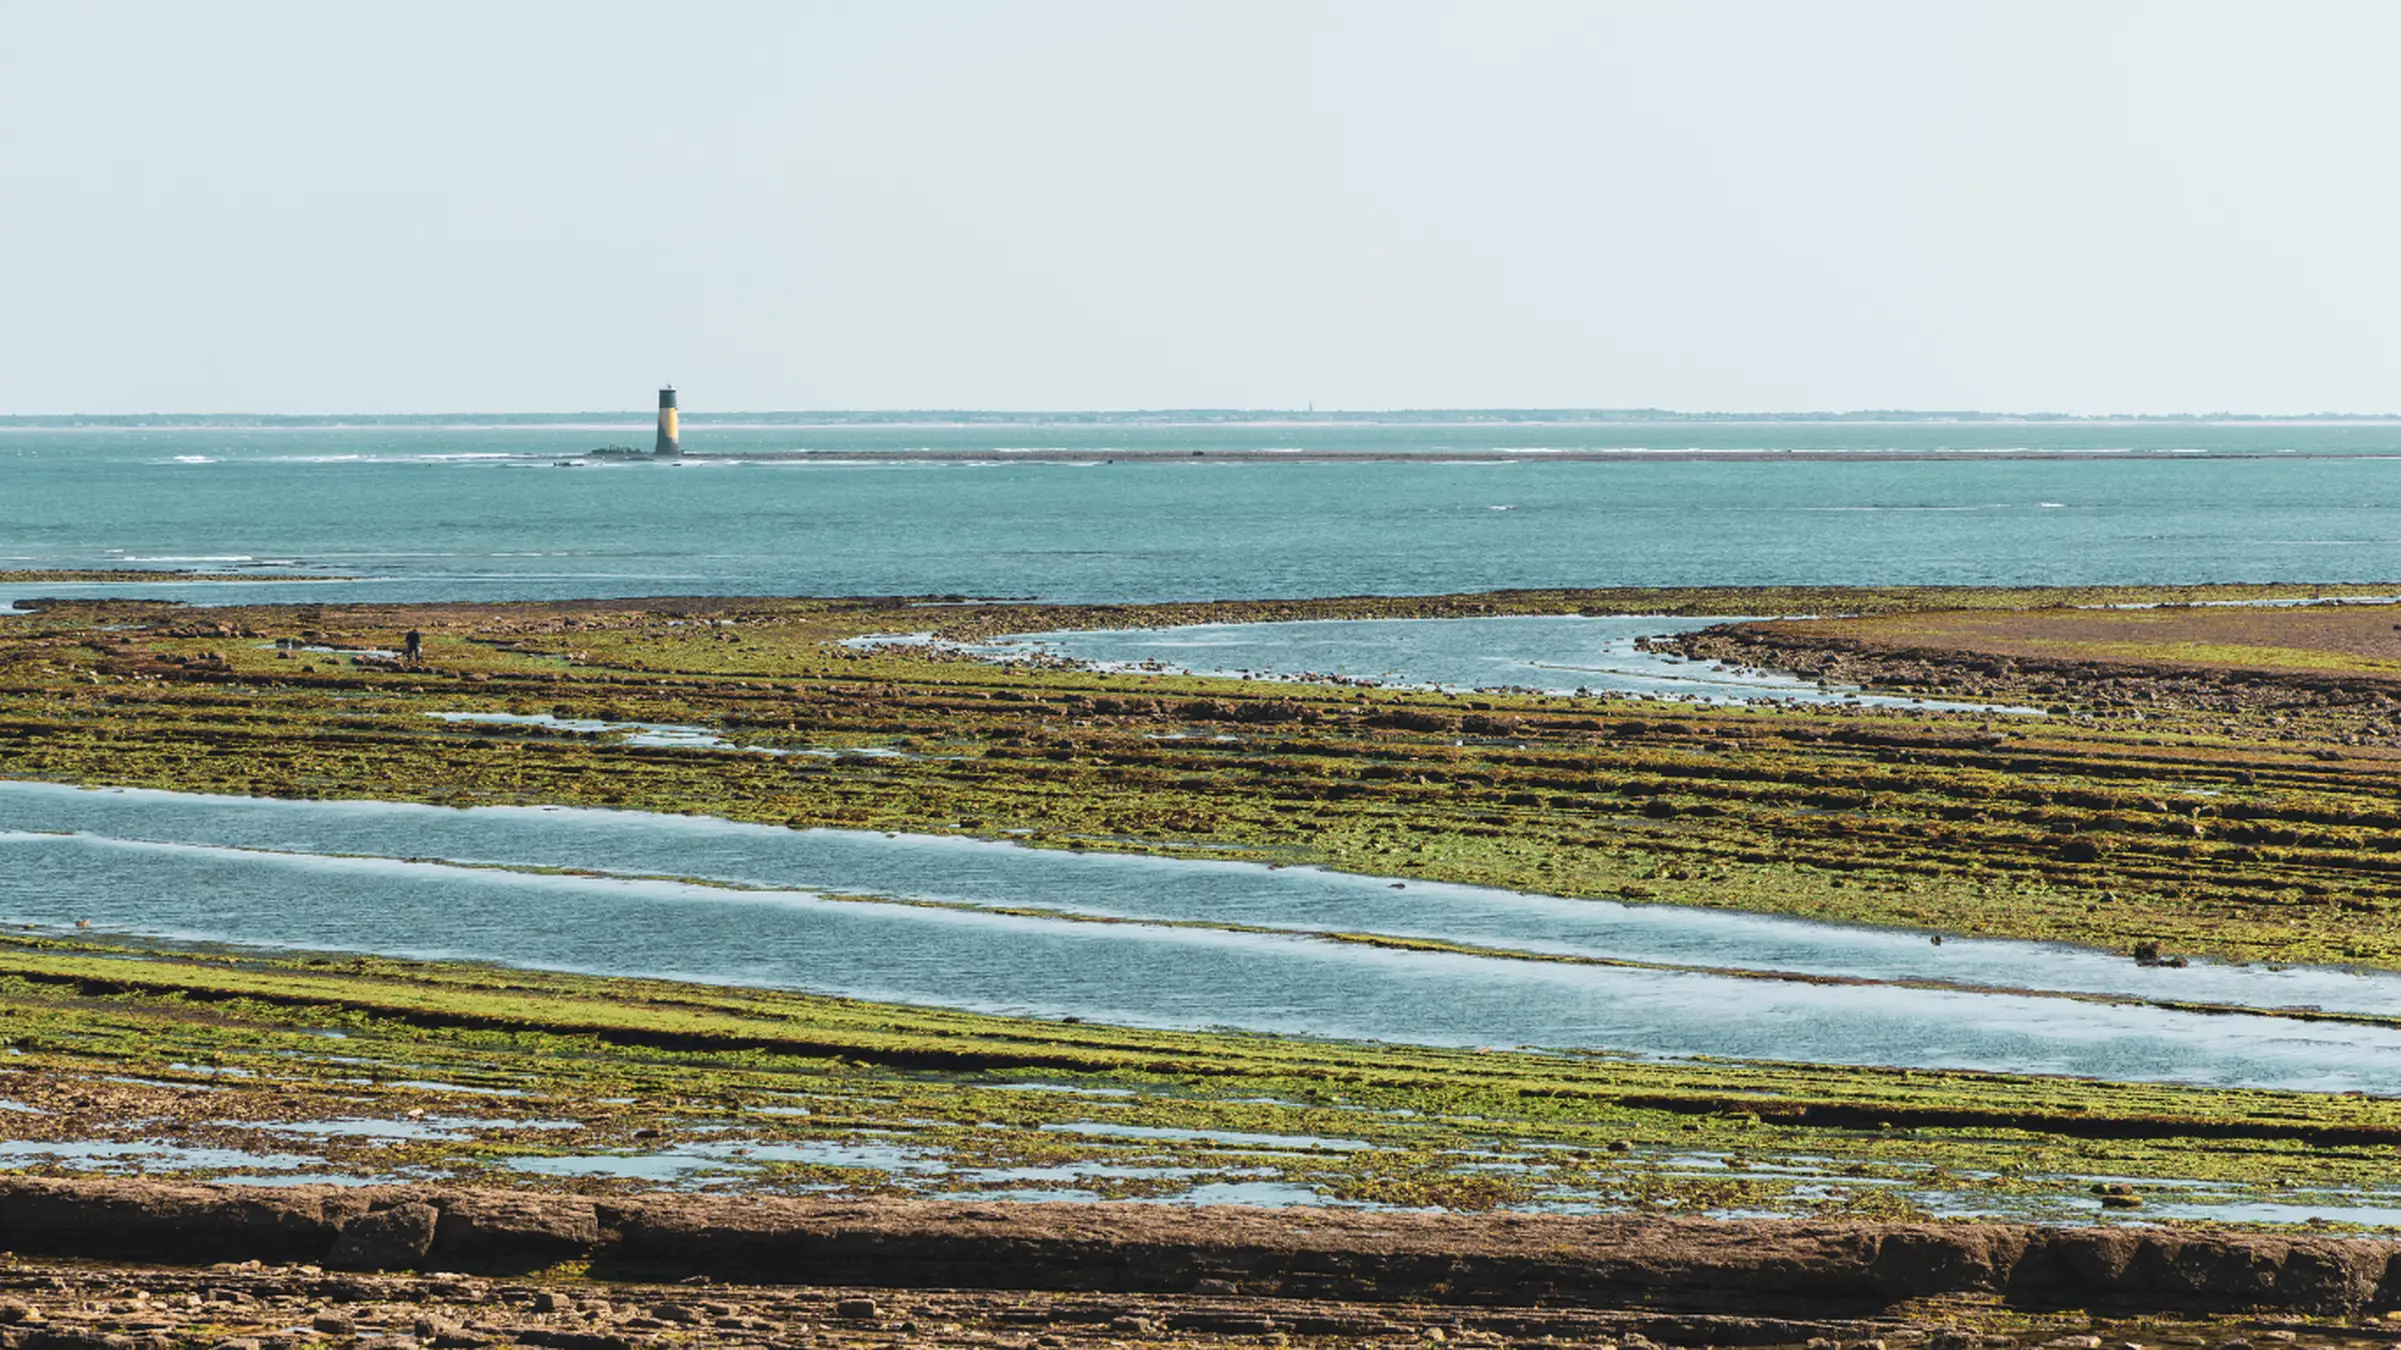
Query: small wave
[194,459]
[193,558]
[2051,506]
[1890,508]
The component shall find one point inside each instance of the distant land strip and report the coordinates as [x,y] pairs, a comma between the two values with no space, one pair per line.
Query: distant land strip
[1582,454]
[1156,417]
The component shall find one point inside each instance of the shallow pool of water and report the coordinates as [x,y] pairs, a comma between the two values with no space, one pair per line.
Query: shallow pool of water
[1548,653]
[140,1156]
[977,872]
[364,877]
[653,735]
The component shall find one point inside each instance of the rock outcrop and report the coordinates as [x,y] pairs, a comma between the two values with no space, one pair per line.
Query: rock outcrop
[1752,1268]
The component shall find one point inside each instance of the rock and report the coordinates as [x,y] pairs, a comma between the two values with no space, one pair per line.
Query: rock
[2077,850]
[397,1238]
[1782,1269]
[2201,1272]
[505,1232]
[334,1324]
[151,1220]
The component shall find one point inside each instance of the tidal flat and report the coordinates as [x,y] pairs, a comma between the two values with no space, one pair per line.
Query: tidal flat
[2147,831]
[183,1061]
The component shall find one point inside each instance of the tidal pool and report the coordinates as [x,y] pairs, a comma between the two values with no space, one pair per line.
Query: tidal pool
[653,735]
[1544,653]
[826,911]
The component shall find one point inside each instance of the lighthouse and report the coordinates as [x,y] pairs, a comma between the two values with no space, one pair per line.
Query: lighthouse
[669,445]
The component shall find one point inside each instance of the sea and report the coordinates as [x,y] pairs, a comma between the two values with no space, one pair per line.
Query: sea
[1085,510]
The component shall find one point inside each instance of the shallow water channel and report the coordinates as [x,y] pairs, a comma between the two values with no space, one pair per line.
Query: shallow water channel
[911,919]
[1548,653]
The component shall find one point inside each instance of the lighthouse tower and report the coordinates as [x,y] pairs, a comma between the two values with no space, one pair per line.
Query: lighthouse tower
[669,446]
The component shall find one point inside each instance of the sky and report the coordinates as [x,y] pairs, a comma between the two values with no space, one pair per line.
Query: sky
[2089,207]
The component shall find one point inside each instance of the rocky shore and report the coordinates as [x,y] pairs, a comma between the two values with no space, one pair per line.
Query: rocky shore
[1777,1270]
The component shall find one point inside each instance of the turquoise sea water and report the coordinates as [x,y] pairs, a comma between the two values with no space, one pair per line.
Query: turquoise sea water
[432,513]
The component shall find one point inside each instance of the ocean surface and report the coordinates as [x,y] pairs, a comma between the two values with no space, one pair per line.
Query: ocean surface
[425,513]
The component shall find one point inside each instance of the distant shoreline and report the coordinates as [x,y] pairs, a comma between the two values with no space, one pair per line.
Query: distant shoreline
[935,417]
[1065,455]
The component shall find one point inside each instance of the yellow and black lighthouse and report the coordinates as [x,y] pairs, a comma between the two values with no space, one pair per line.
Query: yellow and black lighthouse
[670,445]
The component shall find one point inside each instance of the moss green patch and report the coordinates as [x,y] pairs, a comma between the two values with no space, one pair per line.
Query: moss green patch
[552,1080]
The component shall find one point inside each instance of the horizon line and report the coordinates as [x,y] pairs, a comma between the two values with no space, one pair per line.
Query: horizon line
[633,416]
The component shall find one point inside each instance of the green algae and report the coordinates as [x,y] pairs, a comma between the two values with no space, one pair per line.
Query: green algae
[228,1047]
[2241,842]
[2242,834]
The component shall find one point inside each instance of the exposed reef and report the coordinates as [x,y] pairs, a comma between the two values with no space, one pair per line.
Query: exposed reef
[1748,1268]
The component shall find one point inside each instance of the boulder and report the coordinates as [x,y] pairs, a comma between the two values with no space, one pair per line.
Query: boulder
[397,1238]
[508,1232]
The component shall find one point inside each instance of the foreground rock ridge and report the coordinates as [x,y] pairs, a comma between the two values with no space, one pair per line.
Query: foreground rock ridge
[1767,1268]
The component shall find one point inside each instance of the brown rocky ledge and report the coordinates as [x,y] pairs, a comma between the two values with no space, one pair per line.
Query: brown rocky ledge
[1756,1269]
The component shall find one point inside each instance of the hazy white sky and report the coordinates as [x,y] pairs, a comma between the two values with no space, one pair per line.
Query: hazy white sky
[2087,206]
